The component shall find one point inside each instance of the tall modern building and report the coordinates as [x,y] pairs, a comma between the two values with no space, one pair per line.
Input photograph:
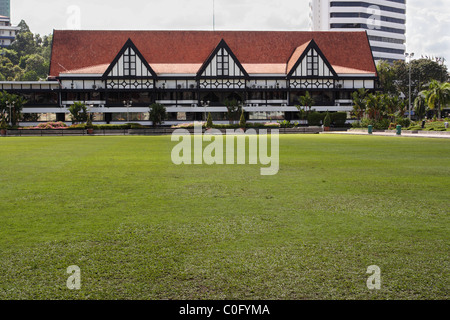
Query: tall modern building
[5,8]
[7,32]
[384,21]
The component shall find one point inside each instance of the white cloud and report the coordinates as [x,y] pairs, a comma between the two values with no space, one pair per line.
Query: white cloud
[428,29]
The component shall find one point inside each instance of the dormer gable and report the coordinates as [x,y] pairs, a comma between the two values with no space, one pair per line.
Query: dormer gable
[308,61]
[222,63]
[129,63]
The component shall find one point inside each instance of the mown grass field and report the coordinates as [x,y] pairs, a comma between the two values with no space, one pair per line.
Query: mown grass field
[140,227]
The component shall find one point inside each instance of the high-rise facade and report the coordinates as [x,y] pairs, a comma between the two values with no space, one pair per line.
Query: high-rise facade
[5,8]
[384,21]
[7,32]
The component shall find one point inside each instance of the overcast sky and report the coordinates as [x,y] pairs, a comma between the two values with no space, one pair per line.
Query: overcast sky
[428,22]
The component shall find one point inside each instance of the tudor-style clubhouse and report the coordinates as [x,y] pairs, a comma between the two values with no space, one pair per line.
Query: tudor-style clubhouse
[119,74]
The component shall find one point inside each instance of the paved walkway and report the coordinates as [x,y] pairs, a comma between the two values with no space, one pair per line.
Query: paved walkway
[393,134]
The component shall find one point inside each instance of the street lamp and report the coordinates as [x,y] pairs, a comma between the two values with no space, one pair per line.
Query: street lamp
[205,105]
[10,106]
[410,56]
[128,104]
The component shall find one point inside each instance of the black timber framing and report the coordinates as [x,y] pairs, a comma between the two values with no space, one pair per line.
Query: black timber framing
[192,83]
[222,45]
[128,44]
[312,45]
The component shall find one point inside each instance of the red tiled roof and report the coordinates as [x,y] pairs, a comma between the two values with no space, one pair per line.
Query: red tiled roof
[178,68]
[74,50]
[340,69]
[265,68]
[296,55]
[99,69]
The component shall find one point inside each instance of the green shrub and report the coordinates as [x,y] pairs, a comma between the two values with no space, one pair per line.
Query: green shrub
[225,126]
[112,126]
[285,124]
[255,125]
[356,124]
[157,113]
[404,122]
[89,122]
[209,122]
[382,124]
[435,126]
[365,122]
[315,118]
[137,126]
[80,126]
[339,118]
[78,111]
[327,120]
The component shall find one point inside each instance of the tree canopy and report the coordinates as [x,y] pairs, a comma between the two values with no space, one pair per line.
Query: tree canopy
[27,58]
[394,79]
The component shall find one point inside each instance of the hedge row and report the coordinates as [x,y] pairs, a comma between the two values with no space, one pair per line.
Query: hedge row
[338,119]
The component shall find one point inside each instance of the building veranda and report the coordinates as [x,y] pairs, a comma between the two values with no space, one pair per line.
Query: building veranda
[119,74]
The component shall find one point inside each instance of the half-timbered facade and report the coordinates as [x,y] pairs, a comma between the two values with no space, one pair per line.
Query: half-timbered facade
[119,74]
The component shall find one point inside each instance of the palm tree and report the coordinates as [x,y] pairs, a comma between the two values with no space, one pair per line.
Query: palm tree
[437,96]
[306,101]
[157,113]
[359,102]
[375,106]
[78,112]
[420,106]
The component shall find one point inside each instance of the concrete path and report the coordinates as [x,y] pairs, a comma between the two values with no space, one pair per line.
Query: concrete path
[437,134]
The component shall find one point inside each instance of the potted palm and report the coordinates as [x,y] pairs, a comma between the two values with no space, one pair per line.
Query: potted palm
[89,126]
[3,126]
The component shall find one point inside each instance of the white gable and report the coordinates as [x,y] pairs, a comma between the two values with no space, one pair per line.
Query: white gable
[312,64]
[222,64]
[129,64]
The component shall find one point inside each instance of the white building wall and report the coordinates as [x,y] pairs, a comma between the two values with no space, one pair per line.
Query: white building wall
[7,32]
[233,68]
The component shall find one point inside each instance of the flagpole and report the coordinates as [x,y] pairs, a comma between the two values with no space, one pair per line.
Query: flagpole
[214,15]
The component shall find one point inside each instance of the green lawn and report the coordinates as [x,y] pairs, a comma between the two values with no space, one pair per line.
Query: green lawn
[140,227]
